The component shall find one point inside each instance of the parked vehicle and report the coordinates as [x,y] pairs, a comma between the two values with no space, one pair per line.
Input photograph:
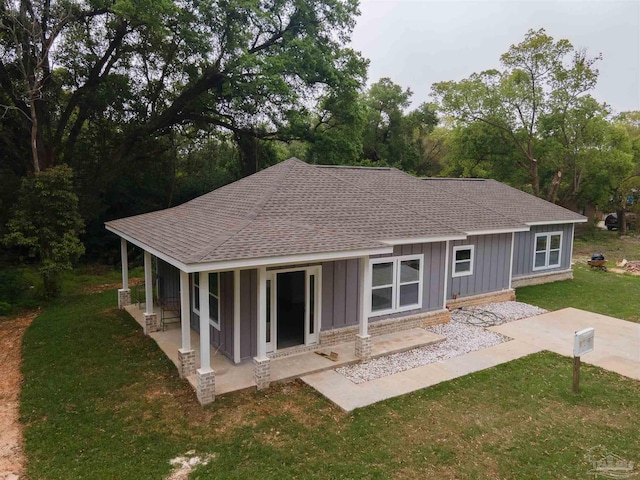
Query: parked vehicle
[611,222]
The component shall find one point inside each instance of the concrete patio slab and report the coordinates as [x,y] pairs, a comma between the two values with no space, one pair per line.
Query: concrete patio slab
[232,377]
[617,342]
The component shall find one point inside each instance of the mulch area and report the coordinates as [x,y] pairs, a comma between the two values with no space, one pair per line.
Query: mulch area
[12,460]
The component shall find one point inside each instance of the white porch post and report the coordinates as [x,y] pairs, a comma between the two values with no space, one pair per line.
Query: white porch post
[363,339]
[186,356]
[205,377]
[513,244]
[124,293]
[262,363]
[205,358]
[446,274]
[236,316]
[150,317]
[148,284]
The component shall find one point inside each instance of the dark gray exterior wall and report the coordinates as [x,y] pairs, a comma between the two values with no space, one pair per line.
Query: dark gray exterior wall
[340,281]
[248,313]
[490,266]
[222,338]
[524,249]
[168,281]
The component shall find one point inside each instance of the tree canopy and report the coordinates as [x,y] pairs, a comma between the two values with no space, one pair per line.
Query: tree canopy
[250,68]
[539,104]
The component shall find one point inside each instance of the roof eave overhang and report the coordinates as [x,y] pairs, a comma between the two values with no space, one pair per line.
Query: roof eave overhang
[170,260]
[405,241]
[243,264]
[557,222]
[497,231]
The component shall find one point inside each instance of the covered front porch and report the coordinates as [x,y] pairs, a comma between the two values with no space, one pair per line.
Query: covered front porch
[232,377]
[224,337]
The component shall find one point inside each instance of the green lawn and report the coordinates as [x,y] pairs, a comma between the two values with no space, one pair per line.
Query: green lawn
[608,243]
[608,293]
[101,401]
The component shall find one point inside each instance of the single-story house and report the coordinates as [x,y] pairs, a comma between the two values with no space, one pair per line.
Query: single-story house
[299,256]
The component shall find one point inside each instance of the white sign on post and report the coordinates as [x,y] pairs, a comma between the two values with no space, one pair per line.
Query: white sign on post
[583,341]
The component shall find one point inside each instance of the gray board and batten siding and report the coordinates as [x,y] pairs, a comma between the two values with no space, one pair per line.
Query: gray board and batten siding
[340,283]
[491,264]
[524,249]
[221,339]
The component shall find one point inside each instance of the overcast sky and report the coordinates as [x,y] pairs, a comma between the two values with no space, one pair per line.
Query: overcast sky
[420,42]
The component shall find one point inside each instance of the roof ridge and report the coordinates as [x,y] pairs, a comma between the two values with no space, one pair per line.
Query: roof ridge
[253,212]
[470,199]
[398,204]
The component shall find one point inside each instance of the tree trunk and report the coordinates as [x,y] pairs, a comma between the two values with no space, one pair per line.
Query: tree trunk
[249,149]
[552,195]
[34,138]
[622,222]
[535,176]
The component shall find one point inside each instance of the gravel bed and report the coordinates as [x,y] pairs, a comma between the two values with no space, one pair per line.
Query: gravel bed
[464,333]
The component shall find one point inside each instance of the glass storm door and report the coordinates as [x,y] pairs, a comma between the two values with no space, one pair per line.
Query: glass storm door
[293,308]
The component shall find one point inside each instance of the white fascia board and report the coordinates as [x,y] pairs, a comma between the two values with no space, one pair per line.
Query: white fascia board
[171,261]
[556,222]
[497,231]
[405,241]
[285,260]
[254,262]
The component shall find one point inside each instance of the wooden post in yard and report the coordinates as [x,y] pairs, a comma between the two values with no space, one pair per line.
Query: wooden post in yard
[576,374]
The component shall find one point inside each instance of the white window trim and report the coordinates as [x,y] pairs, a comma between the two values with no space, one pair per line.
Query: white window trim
[547,251]
[395,287]
[213,323]
[471,260]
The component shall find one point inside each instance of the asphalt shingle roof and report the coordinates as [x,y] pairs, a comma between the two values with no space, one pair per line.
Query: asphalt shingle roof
[294,208]
[505,200]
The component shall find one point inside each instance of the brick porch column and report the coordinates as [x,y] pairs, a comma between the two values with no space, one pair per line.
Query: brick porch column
[262,372]
[363,346]
[205,385]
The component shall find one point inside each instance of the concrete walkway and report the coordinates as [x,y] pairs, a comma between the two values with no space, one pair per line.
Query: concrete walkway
[617,348]
[617,342]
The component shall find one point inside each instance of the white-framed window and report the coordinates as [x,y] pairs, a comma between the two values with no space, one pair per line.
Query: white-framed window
[396,284]
[214,297]
[463,258]
[547,250]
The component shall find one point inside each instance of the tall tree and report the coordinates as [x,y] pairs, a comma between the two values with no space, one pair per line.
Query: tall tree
[392,136]
[540,79]
[248,68]
[47,224]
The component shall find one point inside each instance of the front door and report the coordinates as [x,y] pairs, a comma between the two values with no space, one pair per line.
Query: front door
[293,308]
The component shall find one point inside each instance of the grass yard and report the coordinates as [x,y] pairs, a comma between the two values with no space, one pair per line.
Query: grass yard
[608,293]
[101,401]
[608,243]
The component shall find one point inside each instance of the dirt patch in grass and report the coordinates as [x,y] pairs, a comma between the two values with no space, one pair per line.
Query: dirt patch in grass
[12,459]
[88,289]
